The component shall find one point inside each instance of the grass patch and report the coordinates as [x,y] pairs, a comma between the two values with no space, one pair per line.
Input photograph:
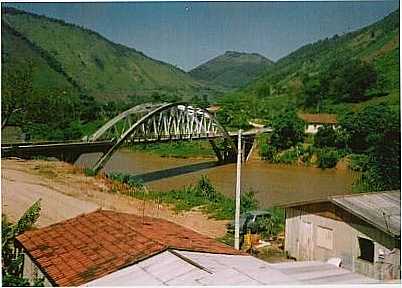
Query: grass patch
[46,170]
[202,195]
[178,149]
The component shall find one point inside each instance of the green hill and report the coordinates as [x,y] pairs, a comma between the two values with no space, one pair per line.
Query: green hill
[95,65]
[232,69]
[19,53]
[284,83]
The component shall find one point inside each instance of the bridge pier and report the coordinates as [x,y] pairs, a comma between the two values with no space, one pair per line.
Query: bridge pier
[228,155]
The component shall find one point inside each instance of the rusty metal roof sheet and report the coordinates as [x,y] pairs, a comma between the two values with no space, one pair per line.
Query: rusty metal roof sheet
[382,209]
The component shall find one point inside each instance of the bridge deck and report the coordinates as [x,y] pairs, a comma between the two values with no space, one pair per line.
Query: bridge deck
[71,150]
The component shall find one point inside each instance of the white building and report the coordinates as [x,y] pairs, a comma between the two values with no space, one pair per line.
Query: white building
[315,121]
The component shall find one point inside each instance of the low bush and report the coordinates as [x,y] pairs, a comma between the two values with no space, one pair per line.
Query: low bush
[359,162]
[291,155]
[327,158]
[325,137]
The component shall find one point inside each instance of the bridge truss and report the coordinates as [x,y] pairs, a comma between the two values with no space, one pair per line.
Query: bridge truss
[160,122]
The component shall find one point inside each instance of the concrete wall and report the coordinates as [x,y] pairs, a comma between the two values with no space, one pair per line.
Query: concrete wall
[32,272]
[322,231]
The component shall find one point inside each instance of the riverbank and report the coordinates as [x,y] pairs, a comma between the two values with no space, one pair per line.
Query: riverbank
[273,184]
[200,149]
[66,192]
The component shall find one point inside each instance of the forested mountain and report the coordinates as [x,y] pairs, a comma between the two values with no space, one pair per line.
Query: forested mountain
[232,69]
[61,81]
[334,74]
[90,62]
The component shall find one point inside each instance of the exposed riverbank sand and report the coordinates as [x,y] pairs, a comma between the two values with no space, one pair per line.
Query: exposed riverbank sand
[66,192]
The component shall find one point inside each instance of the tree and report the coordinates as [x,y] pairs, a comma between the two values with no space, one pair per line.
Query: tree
[366,125]
[348,80]
[288,130]
[311,93]
[375,131]
[384,166]
[16,88]
[12,258]
[237,110]
[325,137]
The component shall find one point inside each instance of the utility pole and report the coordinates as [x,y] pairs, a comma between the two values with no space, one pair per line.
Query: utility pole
[238,175]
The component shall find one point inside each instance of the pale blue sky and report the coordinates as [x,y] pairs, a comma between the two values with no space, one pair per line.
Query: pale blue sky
[187,34]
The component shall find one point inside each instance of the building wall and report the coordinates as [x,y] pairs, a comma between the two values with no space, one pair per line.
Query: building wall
[313,128]
[322,231]
[32,272]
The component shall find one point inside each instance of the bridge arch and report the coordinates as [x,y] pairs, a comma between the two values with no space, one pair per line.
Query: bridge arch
[146,123]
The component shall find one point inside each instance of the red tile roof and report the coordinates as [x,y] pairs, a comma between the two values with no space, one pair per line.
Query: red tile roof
[78,250]
[322,118]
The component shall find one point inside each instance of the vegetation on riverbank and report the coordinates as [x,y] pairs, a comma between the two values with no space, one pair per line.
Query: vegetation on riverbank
[193,149]
[203,195]
[369,138]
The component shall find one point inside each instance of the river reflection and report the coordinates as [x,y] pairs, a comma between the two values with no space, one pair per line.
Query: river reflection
[273,184]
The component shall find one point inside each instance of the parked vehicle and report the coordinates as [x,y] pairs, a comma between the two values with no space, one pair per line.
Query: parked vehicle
[248,219]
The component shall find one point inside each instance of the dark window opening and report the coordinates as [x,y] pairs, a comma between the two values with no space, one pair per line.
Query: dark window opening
[366,249]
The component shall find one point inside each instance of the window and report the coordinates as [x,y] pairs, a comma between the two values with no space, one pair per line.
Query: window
[366,249]
[325,237]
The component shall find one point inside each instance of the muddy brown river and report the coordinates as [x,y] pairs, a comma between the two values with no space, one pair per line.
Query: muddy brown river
[273,184]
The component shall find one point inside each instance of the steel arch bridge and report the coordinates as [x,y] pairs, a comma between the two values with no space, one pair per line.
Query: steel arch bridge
[160,122]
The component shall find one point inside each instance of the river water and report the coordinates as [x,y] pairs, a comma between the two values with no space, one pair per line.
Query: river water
[273,184]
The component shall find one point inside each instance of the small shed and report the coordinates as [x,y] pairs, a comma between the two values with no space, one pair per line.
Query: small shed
[363,230]
[315,121]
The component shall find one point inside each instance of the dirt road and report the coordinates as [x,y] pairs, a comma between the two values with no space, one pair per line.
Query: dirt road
[66,192]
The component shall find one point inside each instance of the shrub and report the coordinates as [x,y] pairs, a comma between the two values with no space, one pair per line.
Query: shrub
[288,130]
[325,137]
[327,158]
[204,188]
[12,258]
[131,180]
[359,162]
[270,226]
[248,202]
[291,155]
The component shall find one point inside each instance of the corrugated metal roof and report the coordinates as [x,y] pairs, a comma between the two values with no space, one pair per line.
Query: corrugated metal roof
[209,269]
[383,209]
